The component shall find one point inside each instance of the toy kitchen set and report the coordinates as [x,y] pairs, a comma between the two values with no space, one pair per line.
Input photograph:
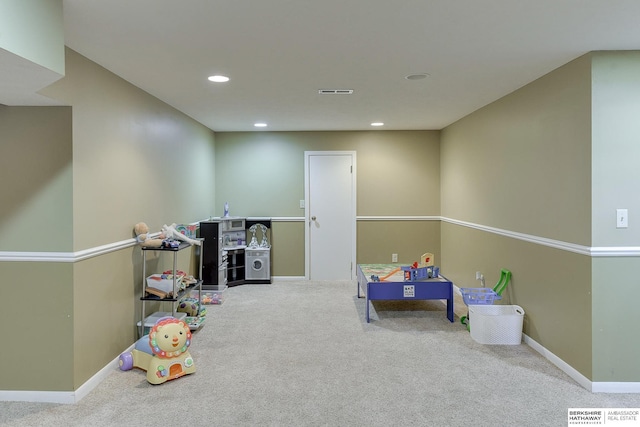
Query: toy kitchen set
[228,259]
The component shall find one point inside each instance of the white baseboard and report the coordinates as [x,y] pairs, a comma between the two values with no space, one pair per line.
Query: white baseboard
[64,397]
[564,367]
[615,387]
[38,396]
[287,278]
[594,387]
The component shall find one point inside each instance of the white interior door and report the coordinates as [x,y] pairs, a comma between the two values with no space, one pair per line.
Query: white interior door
[330,215]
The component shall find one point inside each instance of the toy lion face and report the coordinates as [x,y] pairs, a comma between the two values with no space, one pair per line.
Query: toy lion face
[169,338]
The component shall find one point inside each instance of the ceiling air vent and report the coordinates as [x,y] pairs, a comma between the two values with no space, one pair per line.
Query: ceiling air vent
[335,91]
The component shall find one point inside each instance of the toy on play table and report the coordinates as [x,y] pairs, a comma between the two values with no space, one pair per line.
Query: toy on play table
[383,278]
[411,273]
[415,272]
[163,353]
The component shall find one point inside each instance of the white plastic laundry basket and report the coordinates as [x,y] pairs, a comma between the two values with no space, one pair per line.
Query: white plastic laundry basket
[496,324]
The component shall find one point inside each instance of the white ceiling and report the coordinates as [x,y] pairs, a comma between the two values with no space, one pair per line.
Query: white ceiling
[279,53]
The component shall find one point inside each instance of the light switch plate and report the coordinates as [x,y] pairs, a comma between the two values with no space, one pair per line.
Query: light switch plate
[622,218]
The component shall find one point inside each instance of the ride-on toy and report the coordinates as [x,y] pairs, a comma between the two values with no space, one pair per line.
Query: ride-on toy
[163,353]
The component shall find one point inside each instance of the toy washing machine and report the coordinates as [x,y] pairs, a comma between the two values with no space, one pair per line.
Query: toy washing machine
[257,265]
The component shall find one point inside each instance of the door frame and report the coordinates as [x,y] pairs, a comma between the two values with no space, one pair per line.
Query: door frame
[307,213]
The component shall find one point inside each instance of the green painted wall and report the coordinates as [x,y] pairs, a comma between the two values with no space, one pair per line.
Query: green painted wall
[36,171]
[81,177]
[134,157]
[526,163]
[616,179]
[261,174]
[34,30]
[615,333]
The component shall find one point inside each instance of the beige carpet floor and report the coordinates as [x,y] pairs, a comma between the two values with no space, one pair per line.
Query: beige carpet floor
[302,354]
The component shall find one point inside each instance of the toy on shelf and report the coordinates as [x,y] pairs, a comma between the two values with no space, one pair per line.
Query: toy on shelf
[189,306]
[195,322]
[170,244]
[211,297]
[141,230]
[169,238]
[185,279]
[161,285]
[163,353]
[170,232]
[188,230]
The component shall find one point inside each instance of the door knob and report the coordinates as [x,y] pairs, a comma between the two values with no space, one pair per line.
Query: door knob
[313,218]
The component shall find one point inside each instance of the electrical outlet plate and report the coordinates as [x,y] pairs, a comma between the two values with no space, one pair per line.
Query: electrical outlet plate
[394,257]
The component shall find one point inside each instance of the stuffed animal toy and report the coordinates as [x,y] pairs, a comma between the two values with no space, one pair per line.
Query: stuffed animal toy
[170,232]
[142,235]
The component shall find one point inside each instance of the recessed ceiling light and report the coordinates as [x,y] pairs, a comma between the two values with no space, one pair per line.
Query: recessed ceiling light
[260,125]
[377,124]
[419,76]
[219,79]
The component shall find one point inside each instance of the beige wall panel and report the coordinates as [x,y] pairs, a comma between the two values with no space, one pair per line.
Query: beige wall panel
[377,240]
[262,173]
[552,286]
[134,157]
[105,301]
[287,248]
[36,171]
[107,304]
[523,163]
[399,174]
[37,300]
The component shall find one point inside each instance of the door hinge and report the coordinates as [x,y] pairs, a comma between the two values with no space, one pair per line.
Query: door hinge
[351,169]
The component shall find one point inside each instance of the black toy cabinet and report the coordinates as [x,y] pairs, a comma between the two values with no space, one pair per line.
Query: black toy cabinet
[214,262]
